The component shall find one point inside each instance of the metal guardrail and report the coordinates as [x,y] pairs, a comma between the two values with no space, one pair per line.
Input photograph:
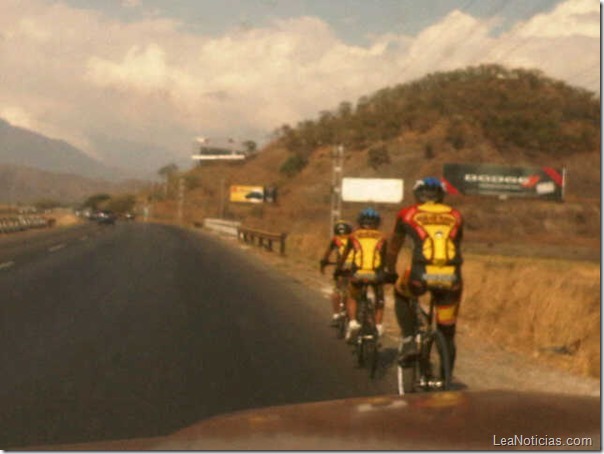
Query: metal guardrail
[12,224]
[222,226]
[262,238]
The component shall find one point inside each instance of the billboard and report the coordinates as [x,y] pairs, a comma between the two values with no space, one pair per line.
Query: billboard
[489,179]
[212,150]
[377,190]
[247,194]
[253,194]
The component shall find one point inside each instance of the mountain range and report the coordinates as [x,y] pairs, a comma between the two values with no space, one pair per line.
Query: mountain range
[33,167]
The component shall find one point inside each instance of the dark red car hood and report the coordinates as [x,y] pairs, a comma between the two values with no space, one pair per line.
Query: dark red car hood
[438,421]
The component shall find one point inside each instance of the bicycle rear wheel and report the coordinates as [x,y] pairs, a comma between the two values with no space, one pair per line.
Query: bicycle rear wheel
[407,376]
[370,355]
[436,362]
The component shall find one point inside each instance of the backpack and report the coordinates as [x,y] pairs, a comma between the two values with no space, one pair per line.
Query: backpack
[438,248]
[367,259]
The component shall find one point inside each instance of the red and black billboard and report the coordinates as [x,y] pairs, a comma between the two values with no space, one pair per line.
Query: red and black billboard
[489,179]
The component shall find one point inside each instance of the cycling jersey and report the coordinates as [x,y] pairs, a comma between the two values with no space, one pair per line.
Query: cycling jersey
[338,243]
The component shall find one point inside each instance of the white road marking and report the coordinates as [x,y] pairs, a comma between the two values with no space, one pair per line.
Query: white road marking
[56,247]
[6,265]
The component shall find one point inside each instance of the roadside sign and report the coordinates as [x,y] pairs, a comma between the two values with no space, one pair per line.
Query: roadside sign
[376,190]
[489,179]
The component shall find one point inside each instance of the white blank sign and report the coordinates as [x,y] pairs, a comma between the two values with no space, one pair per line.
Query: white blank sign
[378,190]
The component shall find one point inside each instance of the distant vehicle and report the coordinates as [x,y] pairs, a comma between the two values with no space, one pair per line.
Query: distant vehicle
[129,216]
[105,217]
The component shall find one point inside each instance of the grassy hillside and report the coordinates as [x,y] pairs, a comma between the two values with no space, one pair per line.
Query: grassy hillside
[485,114]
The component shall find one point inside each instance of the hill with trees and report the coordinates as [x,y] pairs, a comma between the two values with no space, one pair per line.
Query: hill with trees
[484,114]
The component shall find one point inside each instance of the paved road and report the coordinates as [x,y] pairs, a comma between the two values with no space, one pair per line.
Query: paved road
[137,330]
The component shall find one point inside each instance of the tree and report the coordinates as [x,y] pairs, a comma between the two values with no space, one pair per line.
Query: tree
[250,146]
[122,203]
[96,201]
[168,170]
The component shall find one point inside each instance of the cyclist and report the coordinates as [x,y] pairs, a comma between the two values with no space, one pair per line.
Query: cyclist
[436,232]
[367,246]
[341,230]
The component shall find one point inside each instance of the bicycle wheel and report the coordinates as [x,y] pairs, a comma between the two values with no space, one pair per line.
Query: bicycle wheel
[436,363]
[371,355]
[407,376]
[342,325]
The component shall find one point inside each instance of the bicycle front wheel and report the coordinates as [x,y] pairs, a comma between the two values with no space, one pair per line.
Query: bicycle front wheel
[436,362]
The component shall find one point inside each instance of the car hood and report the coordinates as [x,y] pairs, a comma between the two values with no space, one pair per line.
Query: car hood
[430,421]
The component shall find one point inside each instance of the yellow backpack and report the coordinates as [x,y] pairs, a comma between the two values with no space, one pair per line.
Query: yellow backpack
[438,249]
[367,258]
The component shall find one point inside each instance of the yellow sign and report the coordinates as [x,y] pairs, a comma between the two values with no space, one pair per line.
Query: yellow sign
[247,194]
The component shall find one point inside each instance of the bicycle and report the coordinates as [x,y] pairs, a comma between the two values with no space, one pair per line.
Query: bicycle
[342,321]
[431,369]
[367,343]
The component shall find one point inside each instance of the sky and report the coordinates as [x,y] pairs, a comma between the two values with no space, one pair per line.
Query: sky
[133,82]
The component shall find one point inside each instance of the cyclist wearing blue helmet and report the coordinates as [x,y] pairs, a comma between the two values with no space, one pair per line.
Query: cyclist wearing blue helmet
[436,231]
[367,245]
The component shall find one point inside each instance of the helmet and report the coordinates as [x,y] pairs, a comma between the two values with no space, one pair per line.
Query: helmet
[342,228]
[429,189]
[369,218]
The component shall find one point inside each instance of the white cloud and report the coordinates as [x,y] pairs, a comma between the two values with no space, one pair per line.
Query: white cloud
[16,116]
[82,75]
[571,18]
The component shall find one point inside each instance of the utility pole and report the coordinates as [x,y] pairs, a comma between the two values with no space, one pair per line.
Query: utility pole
[221,213]
[181,198]
[336,190]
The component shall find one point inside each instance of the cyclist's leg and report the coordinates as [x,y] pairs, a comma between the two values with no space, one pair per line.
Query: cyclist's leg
[408,288]
[351,309]
[378,291]
[447,308]
[336,297]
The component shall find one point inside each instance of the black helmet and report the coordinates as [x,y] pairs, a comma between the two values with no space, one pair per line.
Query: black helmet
[429,189]
[342,228]
[369,218]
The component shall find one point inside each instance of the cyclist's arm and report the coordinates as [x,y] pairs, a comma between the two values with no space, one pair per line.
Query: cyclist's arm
[397,239]
[328,251]
[344,256]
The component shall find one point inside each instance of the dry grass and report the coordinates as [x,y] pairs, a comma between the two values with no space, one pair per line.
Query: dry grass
[544,308]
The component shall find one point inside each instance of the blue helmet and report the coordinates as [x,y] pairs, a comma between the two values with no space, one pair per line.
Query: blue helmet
[369,217]
[429,189]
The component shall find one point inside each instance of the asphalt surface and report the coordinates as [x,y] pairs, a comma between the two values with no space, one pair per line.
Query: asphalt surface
[137,330]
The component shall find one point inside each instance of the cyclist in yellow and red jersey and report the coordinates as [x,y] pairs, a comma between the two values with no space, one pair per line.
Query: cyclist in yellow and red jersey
[436,232]
[341,230]
[367,247]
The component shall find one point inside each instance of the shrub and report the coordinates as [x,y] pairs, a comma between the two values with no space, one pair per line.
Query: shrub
[378,156]
[293,165]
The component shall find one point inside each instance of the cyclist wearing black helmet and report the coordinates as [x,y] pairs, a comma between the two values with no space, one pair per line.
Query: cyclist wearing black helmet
[436,232]
[367,248]
[341,230]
